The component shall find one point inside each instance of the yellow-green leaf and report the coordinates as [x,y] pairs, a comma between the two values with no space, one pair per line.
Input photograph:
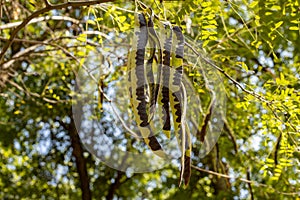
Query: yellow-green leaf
[212,37]
[17,112]
[91,22]
[276,7]
[82,37]
[294,28]
[122,19]
[253,4]
[205,43]
[278,24]
[209,27]
[245,67]
[206,4]
[81,53]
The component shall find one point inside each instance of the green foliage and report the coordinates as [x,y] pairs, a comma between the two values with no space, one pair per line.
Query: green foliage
[254,42]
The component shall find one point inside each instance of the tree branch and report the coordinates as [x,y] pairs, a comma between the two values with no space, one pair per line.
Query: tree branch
[114,185]
[48,7]
[40,19]
[6,65]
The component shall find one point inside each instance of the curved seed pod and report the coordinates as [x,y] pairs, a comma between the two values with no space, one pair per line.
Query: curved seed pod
[186,168]
[153,84]
[176,97]
[176,78]
[138,82]
[185,139]
[163,98]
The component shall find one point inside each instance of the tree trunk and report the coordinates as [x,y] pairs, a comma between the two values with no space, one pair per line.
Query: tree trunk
[80,161]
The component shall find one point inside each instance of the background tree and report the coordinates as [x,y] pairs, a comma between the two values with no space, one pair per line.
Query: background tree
[43,44]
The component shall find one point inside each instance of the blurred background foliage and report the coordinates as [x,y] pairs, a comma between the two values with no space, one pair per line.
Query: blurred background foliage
[254,42]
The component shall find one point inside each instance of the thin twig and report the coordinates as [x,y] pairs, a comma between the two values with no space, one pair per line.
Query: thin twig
[243,180]
[40,19]
[227,75]
[231,134]
[221,175]
[55,39]
[28,93]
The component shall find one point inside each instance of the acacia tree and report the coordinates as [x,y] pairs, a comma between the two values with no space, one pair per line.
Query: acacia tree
[253,45]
